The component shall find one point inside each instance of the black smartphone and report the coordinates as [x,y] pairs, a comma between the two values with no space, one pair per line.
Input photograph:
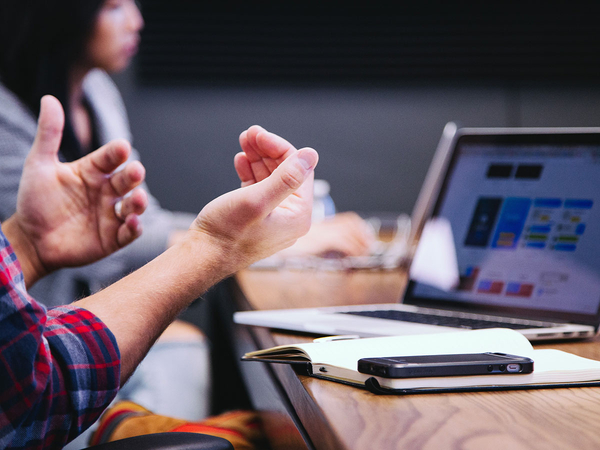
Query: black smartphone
[445,365]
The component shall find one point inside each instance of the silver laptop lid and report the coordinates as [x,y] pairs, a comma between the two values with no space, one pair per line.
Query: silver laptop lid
[523,205]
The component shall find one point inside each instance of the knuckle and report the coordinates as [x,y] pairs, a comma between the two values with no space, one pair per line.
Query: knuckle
[293,177]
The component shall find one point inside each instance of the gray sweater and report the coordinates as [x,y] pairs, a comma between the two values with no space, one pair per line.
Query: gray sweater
[17,132]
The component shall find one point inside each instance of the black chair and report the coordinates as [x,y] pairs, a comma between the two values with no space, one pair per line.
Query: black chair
[167,441]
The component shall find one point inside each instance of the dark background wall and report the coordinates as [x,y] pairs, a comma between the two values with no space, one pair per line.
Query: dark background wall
[371,89]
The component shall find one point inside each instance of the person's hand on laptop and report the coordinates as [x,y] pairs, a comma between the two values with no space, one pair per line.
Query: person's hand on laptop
[343,234]
[60,201]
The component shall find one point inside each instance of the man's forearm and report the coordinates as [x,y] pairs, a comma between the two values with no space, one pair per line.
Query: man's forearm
[140,306]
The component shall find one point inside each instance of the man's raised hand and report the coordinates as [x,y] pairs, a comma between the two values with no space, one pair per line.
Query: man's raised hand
[66,211]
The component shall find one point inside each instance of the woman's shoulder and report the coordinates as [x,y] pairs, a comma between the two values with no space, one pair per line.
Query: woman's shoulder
[15,116]
[105,99]
[98,82]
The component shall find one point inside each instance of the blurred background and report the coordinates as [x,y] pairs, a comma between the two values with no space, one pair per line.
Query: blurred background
[368,84]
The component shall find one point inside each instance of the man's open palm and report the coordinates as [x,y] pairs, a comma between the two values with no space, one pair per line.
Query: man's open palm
[67,210]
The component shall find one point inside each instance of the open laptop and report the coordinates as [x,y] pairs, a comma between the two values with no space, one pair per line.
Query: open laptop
[524,212]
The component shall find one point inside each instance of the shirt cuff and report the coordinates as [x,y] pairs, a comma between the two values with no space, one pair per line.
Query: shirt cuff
[88,357]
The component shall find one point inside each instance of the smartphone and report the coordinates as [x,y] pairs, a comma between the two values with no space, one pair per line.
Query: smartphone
[445,365]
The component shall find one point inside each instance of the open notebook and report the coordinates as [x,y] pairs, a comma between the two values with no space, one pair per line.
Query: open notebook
[337,361]
[522,209]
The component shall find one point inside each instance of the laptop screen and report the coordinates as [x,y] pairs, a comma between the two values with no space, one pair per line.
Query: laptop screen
[524,212]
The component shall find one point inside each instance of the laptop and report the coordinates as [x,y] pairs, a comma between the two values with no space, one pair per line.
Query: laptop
[523,208]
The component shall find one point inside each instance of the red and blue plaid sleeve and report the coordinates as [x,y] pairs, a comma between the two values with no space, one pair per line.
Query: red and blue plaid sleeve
[59,369]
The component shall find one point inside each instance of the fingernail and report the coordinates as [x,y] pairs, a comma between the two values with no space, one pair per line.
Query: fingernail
[307,159]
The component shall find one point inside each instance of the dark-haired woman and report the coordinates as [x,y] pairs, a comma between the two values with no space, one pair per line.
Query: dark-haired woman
[67,48]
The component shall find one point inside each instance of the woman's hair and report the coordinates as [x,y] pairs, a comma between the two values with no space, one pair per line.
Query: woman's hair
[40,41]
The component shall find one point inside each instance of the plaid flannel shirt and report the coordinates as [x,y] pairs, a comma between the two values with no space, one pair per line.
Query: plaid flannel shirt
[59,368]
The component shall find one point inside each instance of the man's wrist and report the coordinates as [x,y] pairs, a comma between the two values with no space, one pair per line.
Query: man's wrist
[206,255]
[28,258]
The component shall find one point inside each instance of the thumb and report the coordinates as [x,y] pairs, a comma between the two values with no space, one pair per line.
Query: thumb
[288,178]
[51,122]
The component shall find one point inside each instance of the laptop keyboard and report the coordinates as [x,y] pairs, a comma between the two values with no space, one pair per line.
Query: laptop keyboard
[448,321]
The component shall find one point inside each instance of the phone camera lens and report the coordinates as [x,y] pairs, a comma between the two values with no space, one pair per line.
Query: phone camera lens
[490,368]
[502,367]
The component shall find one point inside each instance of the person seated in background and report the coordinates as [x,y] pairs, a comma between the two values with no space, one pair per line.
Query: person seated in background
[61,367]
[67,48]
[38,57]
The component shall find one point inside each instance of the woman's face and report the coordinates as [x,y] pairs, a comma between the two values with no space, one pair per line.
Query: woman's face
[116,35]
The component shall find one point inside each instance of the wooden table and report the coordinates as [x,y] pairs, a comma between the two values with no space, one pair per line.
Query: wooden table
[304,412]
